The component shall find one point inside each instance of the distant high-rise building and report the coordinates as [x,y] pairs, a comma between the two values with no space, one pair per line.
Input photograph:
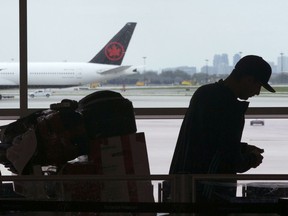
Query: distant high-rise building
[236,58]
[221,64]
[282,64]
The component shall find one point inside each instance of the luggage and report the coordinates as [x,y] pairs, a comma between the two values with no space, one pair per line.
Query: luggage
[107,113]
[63,132]
[61,137]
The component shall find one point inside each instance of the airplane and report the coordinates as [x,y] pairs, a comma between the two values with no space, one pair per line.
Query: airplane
[105,65]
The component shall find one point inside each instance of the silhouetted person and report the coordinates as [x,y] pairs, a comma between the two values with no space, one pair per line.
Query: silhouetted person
[209,141]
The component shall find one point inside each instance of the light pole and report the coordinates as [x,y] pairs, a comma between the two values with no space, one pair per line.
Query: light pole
[144,69]
[281,61]
[206,70]
[144,62]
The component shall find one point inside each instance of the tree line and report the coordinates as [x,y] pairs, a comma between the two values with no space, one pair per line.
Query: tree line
[176,77]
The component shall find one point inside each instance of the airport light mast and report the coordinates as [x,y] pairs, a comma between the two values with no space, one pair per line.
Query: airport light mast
[281,61]
[144,62]
[207,70]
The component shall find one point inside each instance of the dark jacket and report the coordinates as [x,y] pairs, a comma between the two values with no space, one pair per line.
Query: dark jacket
[210,136]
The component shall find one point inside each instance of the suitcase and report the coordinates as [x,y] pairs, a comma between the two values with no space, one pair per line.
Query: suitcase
[107,113]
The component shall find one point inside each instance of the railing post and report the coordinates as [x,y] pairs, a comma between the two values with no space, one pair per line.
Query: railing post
[160,191]
[193,189]
[181,190]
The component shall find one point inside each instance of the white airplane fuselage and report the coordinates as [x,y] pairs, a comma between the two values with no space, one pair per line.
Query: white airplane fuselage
[105,65]
[62,73]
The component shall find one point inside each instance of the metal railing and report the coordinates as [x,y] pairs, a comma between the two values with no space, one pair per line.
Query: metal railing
[180,202]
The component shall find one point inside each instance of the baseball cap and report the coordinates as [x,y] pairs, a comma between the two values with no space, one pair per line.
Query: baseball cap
[257,67]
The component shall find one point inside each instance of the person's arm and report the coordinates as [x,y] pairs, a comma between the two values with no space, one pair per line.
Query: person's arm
[225,126]
[254,152]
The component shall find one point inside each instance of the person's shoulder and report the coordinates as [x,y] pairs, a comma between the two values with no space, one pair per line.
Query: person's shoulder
[212,93]
[209,88]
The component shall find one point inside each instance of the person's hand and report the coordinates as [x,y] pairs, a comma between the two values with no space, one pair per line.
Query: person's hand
[257,158]
[252,148]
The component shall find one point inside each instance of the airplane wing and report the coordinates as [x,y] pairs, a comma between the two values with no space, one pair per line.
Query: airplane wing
[116,70]
[7,82]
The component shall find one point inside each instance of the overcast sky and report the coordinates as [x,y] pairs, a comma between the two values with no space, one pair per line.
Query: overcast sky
[169,33]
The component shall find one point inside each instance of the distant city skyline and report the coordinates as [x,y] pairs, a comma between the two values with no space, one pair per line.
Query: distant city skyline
[220,64]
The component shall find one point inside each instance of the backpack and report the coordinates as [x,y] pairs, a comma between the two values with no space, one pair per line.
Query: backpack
[107,113]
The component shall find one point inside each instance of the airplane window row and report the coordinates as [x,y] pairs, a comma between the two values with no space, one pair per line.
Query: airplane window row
[6,73]
[51,73]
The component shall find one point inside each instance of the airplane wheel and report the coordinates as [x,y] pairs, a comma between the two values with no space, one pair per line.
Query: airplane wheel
[32,96]
[47,95]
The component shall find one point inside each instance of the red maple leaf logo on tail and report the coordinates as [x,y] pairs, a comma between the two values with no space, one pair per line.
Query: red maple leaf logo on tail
[114,51]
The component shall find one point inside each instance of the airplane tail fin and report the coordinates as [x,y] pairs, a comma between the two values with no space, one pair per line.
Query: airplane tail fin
[114,51]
